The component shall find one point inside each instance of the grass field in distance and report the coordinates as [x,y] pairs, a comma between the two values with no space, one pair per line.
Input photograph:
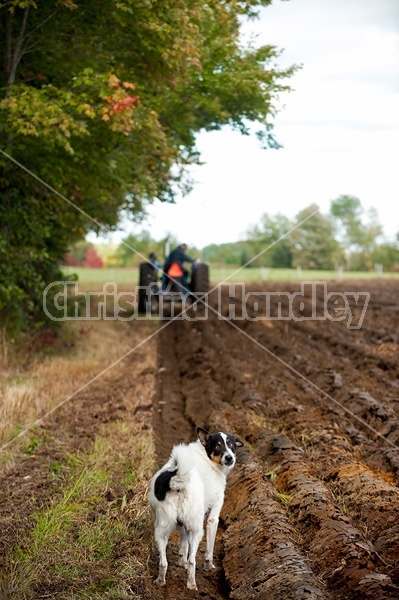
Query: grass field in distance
[128,277]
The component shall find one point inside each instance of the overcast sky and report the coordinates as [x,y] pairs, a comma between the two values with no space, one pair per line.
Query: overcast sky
[339,127]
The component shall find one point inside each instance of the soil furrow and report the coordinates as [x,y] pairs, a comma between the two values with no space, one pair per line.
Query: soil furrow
[343,556]
[263,560]
[370,570]
[278,568]
[171,425]
[335,376]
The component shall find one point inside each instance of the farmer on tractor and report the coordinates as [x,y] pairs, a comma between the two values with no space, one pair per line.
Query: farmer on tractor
[175,283]
[174,264]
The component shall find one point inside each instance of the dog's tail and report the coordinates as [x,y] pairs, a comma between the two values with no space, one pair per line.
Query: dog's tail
[179,483]
[181,461]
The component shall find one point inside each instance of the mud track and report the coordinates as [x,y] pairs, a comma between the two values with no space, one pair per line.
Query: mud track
[312,507]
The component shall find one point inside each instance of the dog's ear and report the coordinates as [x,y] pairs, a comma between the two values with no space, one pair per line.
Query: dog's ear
[203,435]
[238,442]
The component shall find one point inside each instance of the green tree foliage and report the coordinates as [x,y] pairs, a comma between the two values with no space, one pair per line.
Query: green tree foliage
[235,253]
[313,243]
[358,230]
[77,253]
[269,238]
[387,255]
[347,213]
[136,248]
[103,102]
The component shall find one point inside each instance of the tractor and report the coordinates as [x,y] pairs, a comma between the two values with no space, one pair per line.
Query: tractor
[171,287]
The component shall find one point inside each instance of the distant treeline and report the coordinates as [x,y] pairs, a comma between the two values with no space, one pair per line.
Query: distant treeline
[348,236]
[134,249]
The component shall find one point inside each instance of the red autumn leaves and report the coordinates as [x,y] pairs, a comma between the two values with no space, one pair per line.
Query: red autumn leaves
[120,101]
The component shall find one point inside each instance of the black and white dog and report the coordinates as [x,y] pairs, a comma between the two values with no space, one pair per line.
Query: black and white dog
[187,489]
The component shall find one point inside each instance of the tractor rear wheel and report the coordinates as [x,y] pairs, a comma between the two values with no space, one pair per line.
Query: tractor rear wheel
[147,276]
[200,280]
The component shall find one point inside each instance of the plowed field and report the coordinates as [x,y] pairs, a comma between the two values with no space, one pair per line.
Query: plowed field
[312,505]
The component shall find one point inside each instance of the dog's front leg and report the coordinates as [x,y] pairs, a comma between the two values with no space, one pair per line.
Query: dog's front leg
[211,528]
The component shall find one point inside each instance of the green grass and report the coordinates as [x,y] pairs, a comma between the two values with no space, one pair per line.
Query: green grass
[272,475]
[128,278]
[93,539]
[285,499]
[97,277]
[256,275]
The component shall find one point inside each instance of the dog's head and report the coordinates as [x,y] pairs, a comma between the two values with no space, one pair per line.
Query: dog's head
[220,447]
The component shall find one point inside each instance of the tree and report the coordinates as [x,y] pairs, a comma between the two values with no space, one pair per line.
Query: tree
[103,102]
[92,258]
[269,237]
[387,255]
[78,252]
[313,243]
[347,212]
[135,248]
[359,238]
[234,253]
[69,260]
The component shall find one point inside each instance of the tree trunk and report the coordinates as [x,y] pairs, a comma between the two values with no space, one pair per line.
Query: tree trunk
[13,57]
